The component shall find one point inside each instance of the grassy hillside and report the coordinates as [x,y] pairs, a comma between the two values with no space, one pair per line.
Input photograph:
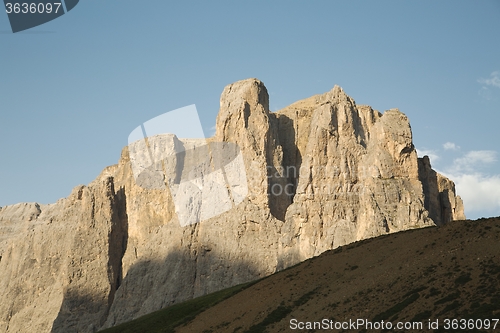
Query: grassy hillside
[450,272]
[167,319]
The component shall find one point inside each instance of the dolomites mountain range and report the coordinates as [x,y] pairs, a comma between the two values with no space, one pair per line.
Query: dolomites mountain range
[113,250]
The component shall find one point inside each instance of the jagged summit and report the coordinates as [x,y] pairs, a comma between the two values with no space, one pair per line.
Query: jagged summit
[320,173]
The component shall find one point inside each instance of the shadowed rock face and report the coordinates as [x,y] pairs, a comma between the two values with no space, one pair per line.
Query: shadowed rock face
[440,199]
[321,173]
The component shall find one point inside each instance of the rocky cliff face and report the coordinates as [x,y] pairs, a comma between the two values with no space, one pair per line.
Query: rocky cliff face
[321,173]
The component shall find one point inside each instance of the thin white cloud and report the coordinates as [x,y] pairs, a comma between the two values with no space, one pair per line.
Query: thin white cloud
[485,93]
[480,193]
[473,159]
[450,146]
[211,130]
[494,80]
[433,156]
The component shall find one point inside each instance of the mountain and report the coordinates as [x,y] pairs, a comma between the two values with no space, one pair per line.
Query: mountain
[319,174]
[416,276]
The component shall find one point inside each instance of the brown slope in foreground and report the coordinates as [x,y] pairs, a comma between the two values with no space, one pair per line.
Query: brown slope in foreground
[451,271]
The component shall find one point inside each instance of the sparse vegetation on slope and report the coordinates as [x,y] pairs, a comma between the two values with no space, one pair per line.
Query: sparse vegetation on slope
[165,320]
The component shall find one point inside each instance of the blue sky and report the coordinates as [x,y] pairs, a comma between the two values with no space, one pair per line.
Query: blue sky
[72,90]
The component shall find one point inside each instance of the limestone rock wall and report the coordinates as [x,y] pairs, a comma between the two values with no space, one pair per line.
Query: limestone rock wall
[323,172]
[61,263]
